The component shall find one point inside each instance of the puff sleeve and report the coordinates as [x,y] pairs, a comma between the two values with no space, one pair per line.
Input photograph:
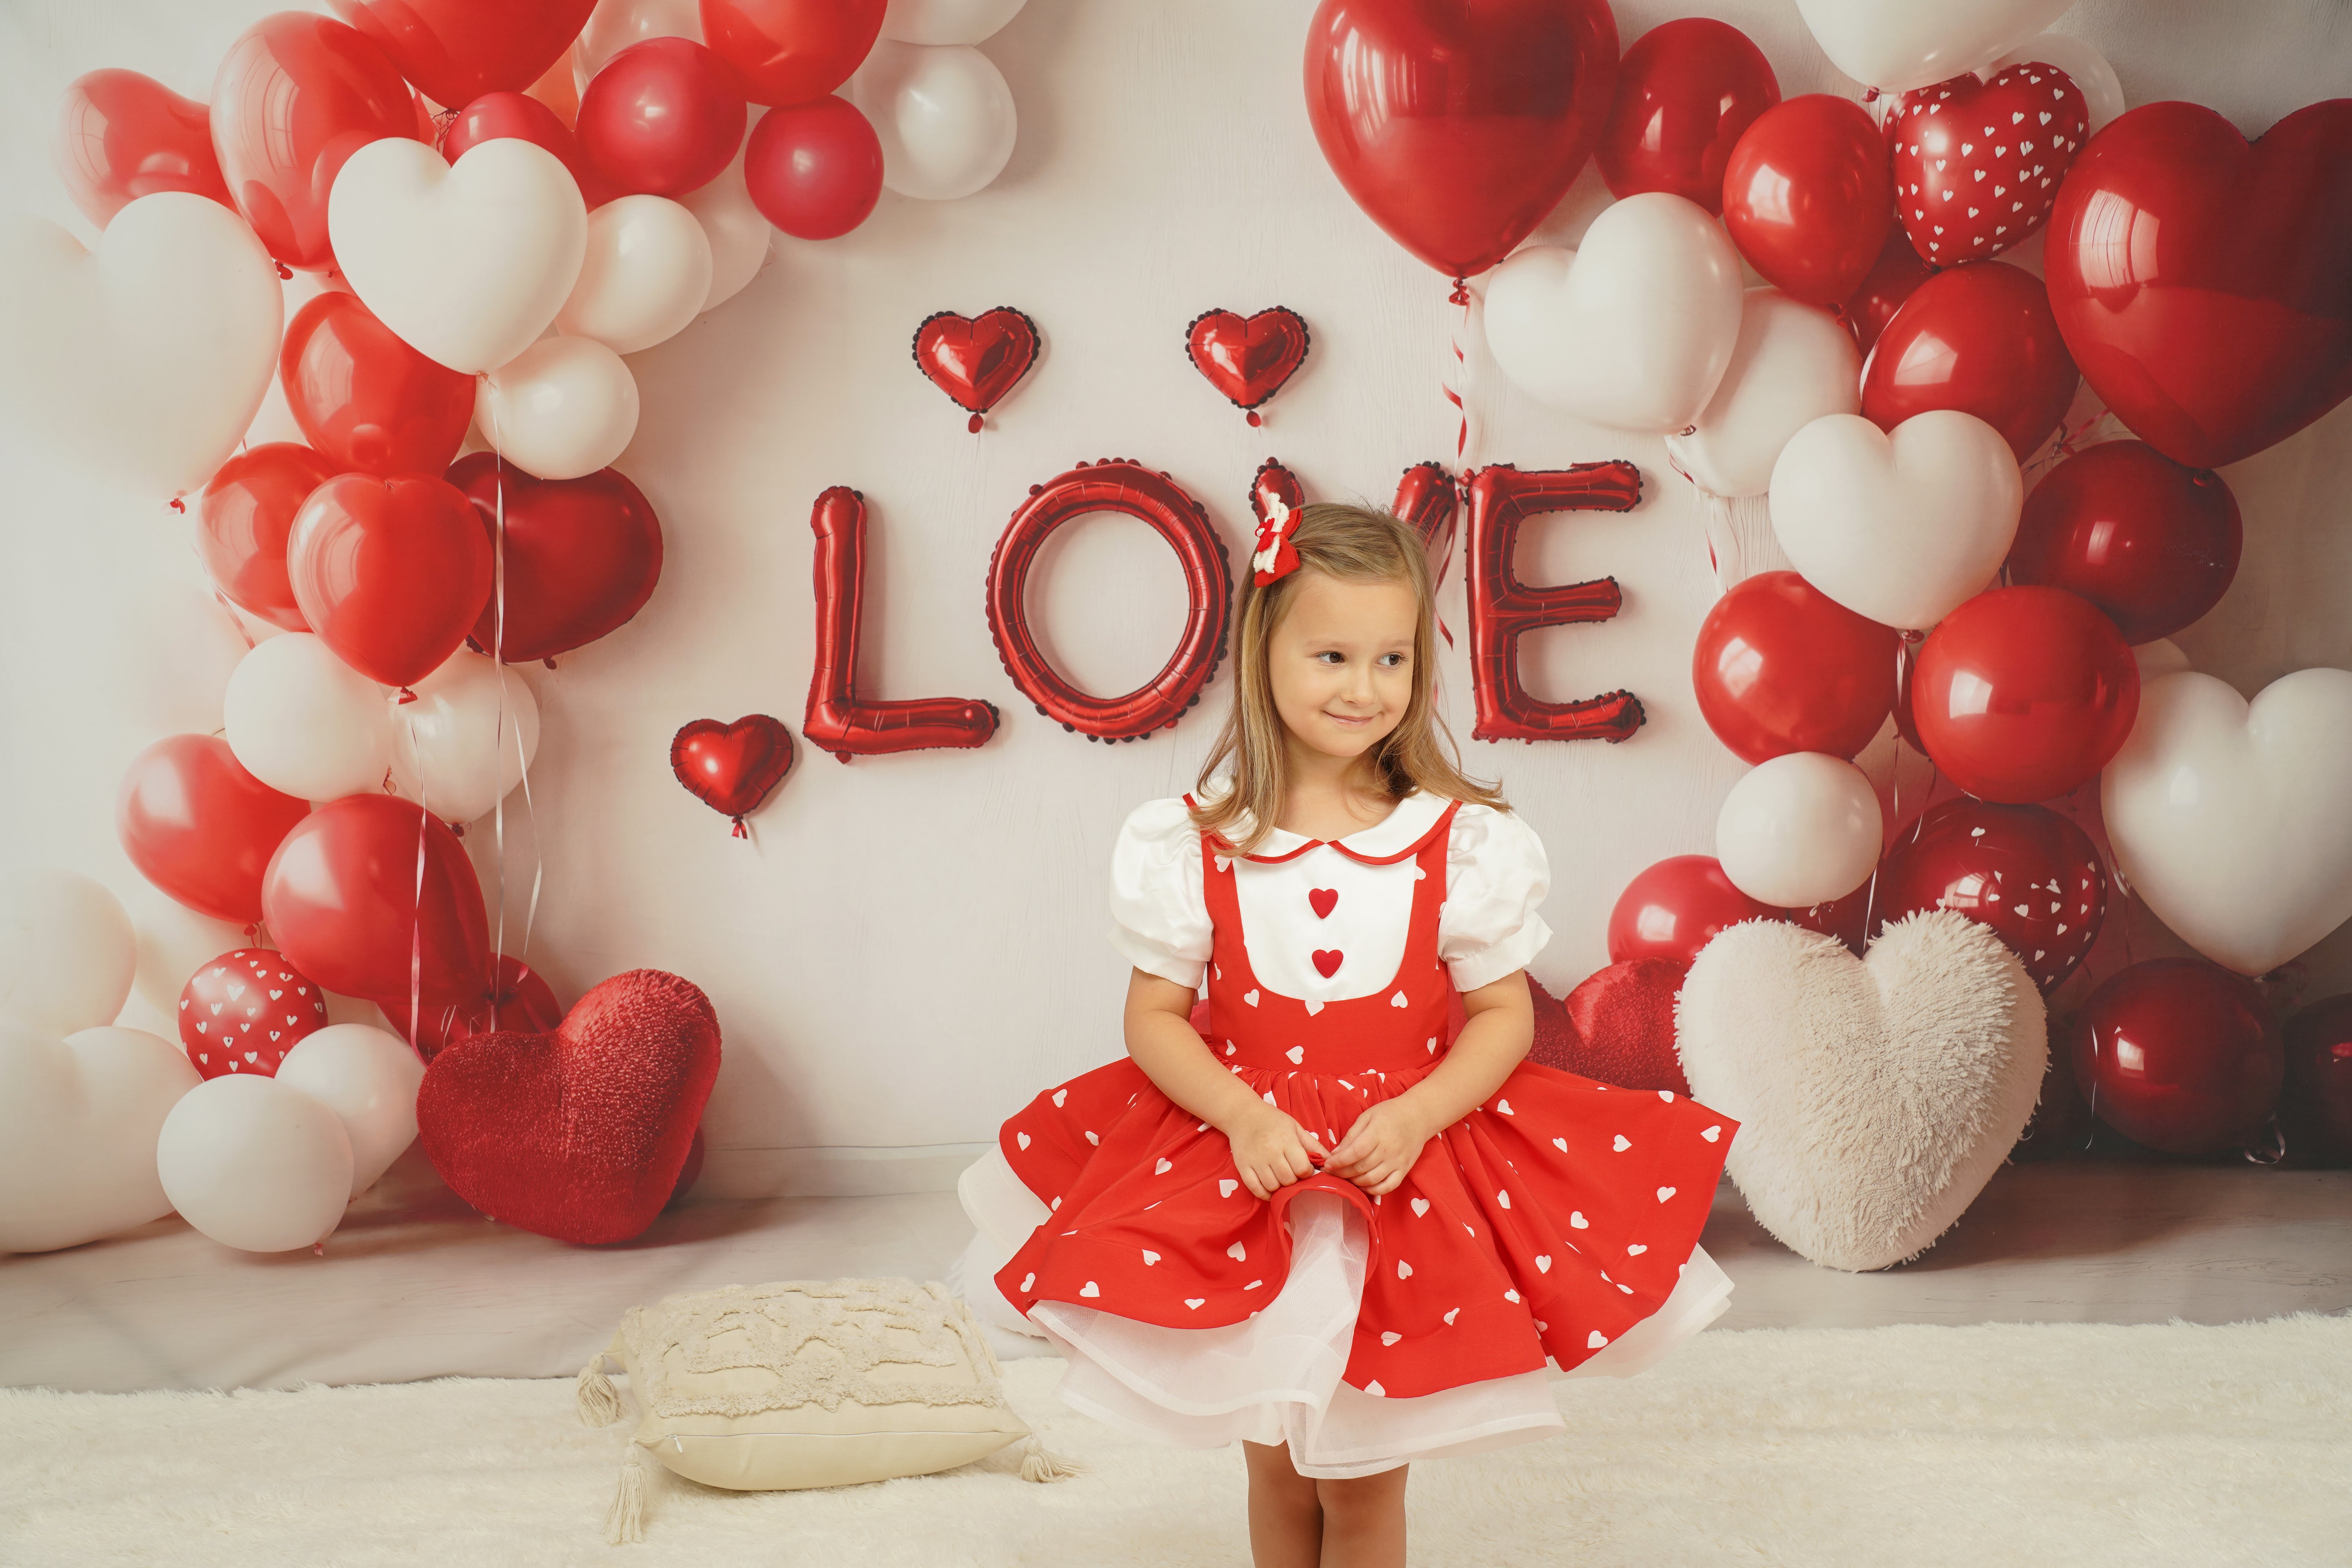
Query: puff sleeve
[1495,876]
[1159,911]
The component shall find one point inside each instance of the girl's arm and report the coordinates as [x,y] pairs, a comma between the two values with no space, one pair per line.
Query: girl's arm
[1385,1142]
[1270,1150]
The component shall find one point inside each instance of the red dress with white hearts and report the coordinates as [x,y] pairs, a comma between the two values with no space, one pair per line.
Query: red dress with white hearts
[1557,1225]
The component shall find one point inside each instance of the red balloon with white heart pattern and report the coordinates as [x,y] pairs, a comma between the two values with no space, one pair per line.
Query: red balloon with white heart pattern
[1977,163]
[245,1010]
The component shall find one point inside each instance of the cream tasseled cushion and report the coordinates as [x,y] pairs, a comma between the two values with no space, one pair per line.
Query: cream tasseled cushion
[806,1382]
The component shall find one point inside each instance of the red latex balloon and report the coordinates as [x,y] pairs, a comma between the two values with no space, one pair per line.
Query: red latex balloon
[976,360]
[1455,126]
[525,119]
[121,136]
[2314,1109]
[789,51]
[1976,162]
[814,170]
[342,899]
[2026,871]
[2179,1055]
[1979,339]
[1808,198]
[2205,284]
[2023,693]
[662,117]
[582,555]
[731,768]
[1780,666]
[523,1001]
[1248,360]
[296,95]
[391,573]
[456,50]
[248,509]
[365,399]
[200,827]
[1686,91]
[1892,278]
[1678,906]
[243,1011]
[2152,543]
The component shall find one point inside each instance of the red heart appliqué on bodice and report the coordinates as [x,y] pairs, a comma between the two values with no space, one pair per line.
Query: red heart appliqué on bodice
[1327,959]
[1977,165]
[1322,899]
[579,1133]
[976,360]
[1247,361]
[731,768]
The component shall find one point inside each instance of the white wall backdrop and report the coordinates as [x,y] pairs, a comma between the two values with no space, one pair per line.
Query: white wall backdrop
[913,945]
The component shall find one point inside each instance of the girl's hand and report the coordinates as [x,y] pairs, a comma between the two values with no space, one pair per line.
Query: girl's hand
[1383,1144]
[1271,1151]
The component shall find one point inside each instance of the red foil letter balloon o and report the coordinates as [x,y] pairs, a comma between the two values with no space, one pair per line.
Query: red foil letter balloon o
[1113,485]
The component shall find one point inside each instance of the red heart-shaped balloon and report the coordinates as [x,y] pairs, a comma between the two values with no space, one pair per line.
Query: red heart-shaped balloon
[1977,163]
[390,572]
[456,50]
[245,1010]
[582,555]
[242,522]
[1624,1020]
[2152,543]
[976,360]
[731,768]
[123,136]
[2204,285]
[365,399]
[581,1132]
[1249,360]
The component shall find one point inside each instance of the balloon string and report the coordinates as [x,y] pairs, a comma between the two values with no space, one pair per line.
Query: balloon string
[1456,384]
[235,620]
[498,737]
[416,912]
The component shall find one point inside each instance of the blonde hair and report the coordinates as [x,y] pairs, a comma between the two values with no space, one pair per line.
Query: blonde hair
[1355,544]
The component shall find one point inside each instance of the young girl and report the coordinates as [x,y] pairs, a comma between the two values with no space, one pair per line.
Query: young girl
[1309,1220]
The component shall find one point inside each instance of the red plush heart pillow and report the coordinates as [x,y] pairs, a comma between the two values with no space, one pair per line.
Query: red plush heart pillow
[581,1134]
[1624,1021]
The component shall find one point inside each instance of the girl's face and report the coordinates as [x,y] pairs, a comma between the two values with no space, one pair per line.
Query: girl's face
[1340,661]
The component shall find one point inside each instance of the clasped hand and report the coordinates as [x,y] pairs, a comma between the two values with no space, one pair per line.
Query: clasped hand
[1272,1150]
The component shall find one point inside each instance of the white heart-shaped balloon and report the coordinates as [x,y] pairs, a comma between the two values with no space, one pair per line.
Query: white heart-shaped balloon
[1897,45]
[145,359]
[646,274]
[67,952]
[943,113]
[561,408]
[1633,329]
[369,1078]
[79,1117]
[2231,819]
[466,738]
[255,1164]
[1874,1097]
[1793,363]
[1801,828]
[1897,527]
[306,723]
[738,233]
[467,263]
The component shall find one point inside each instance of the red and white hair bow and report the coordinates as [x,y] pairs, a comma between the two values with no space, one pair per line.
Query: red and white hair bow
[1274,556]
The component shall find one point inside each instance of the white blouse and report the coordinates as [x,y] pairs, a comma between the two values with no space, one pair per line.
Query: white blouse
[1495,876]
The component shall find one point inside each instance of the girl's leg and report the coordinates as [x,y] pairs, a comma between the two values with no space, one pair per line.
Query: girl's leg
[1363,1519]
[1286,1523]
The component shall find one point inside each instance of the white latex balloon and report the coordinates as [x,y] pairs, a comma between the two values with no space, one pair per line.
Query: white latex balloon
[944,116]
[145,359]
[454,749]
[1897,45]
[646,274]
[1802,829]
[67,952]
[1901,527]
[306,723]
[615,25]
[561,408]
[947,21]
[78,1119]
[1793,365]
[467,263]
[368,1078]
[2229,816]
[255,1164]
[1632,329]
[2102,93]
[738,235]
[174,941]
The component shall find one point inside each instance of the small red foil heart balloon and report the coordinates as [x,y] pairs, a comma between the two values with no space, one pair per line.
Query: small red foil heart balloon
[731,768]
[1625,1022]
[580,1132]
[1977,163]
[1248,360]
[122,136]
[582,555]
[245,1010]
[976,360]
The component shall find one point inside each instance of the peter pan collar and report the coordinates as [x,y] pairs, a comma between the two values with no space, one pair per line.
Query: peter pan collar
[1395,836]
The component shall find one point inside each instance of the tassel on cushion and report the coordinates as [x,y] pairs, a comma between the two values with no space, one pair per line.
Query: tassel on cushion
[1038,1464]
[593,1393]
[625,1519]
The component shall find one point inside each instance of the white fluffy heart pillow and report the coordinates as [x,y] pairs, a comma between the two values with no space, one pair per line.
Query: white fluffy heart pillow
[1875,1096]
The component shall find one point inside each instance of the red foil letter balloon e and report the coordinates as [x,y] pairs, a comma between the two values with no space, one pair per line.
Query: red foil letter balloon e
[1503,609]
[836,720]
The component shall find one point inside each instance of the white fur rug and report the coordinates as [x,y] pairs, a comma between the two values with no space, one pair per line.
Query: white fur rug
[2062,1445]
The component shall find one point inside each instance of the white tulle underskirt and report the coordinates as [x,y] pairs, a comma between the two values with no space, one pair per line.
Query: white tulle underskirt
[1275,1377]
